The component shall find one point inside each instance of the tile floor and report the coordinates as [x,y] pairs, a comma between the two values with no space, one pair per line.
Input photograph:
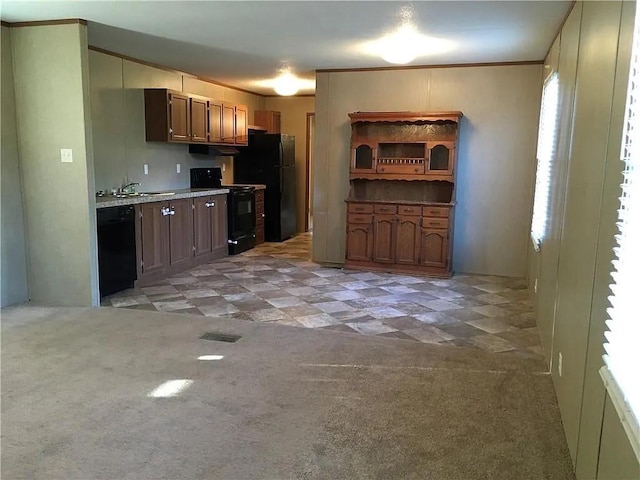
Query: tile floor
[277,282]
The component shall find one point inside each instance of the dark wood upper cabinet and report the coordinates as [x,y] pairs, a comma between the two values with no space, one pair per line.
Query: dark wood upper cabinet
[228,123]
[167,116]
[268,119]
[179,117]
[215,122]
[241,125]
[199,119]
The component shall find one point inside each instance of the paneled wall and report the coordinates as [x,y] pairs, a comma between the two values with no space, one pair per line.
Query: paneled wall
[572,270]
[294,122]
[13,277]
[52,111]
[120,148]
[496,154]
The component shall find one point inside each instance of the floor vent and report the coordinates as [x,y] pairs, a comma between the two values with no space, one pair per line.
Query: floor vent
[221,337]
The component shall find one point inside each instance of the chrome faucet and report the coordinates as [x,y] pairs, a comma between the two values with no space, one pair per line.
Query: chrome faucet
[130,187]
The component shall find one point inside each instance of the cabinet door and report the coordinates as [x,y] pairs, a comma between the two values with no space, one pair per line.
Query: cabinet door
[198,120]
[151,237]
[215,122]
[228,123]
[359,242]
[202,227]
[407,239]
[179,118]
[276,123]
[434,249]
[441,157]
[383,238]
[242,125]
[219,223]
[180,231]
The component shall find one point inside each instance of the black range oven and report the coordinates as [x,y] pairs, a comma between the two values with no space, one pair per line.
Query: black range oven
[240,208]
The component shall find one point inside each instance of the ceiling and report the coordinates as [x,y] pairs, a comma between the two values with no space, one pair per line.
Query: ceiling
[241,43]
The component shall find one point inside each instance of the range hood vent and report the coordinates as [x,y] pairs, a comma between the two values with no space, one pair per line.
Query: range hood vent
[213,150]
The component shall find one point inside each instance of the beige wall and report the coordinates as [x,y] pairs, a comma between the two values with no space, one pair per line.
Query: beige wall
[120,148]
[294,122]
[13,276]
[495,158]
[573,266]
[51,90]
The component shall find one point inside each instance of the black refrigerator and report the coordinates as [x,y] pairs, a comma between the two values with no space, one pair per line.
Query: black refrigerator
[269,159]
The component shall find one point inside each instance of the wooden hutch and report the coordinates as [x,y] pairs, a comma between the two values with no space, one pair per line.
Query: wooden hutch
[402,196]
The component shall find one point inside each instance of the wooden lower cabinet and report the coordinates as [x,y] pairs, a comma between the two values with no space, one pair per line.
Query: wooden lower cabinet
[175,235]
[180,232]
[151,238]
[359,242]
[411,243]
[407,243]
[434,248]
[384,238]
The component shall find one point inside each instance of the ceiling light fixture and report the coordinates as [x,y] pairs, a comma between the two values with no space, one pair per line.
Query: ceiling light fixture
[286,84]
[406,43]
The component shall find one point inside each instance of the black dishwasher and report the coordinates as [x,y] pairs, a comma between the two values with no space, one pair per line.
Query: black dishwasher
[116,249]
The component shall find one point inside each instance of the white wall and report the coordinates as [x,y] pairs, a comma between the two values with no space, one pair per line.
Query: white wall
[52,112]
[120,147]
[495,159]
[13,277]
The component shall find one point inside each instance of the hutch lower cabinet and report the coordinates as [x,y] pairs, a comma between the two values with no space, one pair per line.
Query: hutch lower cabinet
[401,202]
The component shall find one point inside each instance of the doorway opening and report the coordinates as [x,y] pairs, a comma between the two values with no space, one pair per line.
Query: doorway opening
[308,199]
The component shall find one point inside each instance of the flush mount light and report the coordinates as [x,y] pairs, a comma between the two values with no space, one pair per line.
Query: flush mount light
[406,43]
[286,84]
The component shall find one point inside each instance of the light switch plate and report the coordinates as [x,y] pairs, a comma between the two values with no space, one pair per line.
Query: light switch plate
[146,169]
[224,167]
[66,155]
[177,168]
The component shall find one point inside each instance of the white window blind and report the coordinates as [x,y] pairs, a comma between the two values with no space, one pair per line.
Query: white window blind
[622,344]
[547,133]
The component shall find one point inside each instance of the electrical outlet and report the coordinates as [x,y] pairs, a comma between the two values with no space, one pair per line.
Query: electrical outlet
[177,168]
[224,167]
[66,155]
[560,363]
[146,169]
[535,286]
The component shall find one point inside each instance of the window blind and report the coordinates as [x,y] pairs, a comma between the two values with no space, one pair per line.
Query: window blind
[622,344]
[547,133]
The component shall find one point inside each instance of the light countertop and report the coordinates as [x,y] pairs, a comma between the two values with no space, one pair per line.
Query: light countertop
[113,201]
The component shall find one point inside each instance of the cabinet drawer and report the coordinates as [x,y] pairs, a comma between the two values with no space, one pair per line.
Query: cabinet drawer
[360,208]
[435,222]
[259,196]
[435,212]
[359,218]
[385,209]
[259,208]
[409,210]
[401,169]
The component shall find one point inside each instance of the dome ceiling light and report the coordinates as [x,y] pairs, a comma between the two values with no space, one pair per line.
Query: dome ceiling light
[286,84]
[406,43]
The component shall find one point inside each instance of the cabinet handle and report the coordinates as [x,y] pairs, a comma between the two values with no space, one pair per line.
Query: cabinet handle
[434,223]
[210,204]
[263,215]
[164,211]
